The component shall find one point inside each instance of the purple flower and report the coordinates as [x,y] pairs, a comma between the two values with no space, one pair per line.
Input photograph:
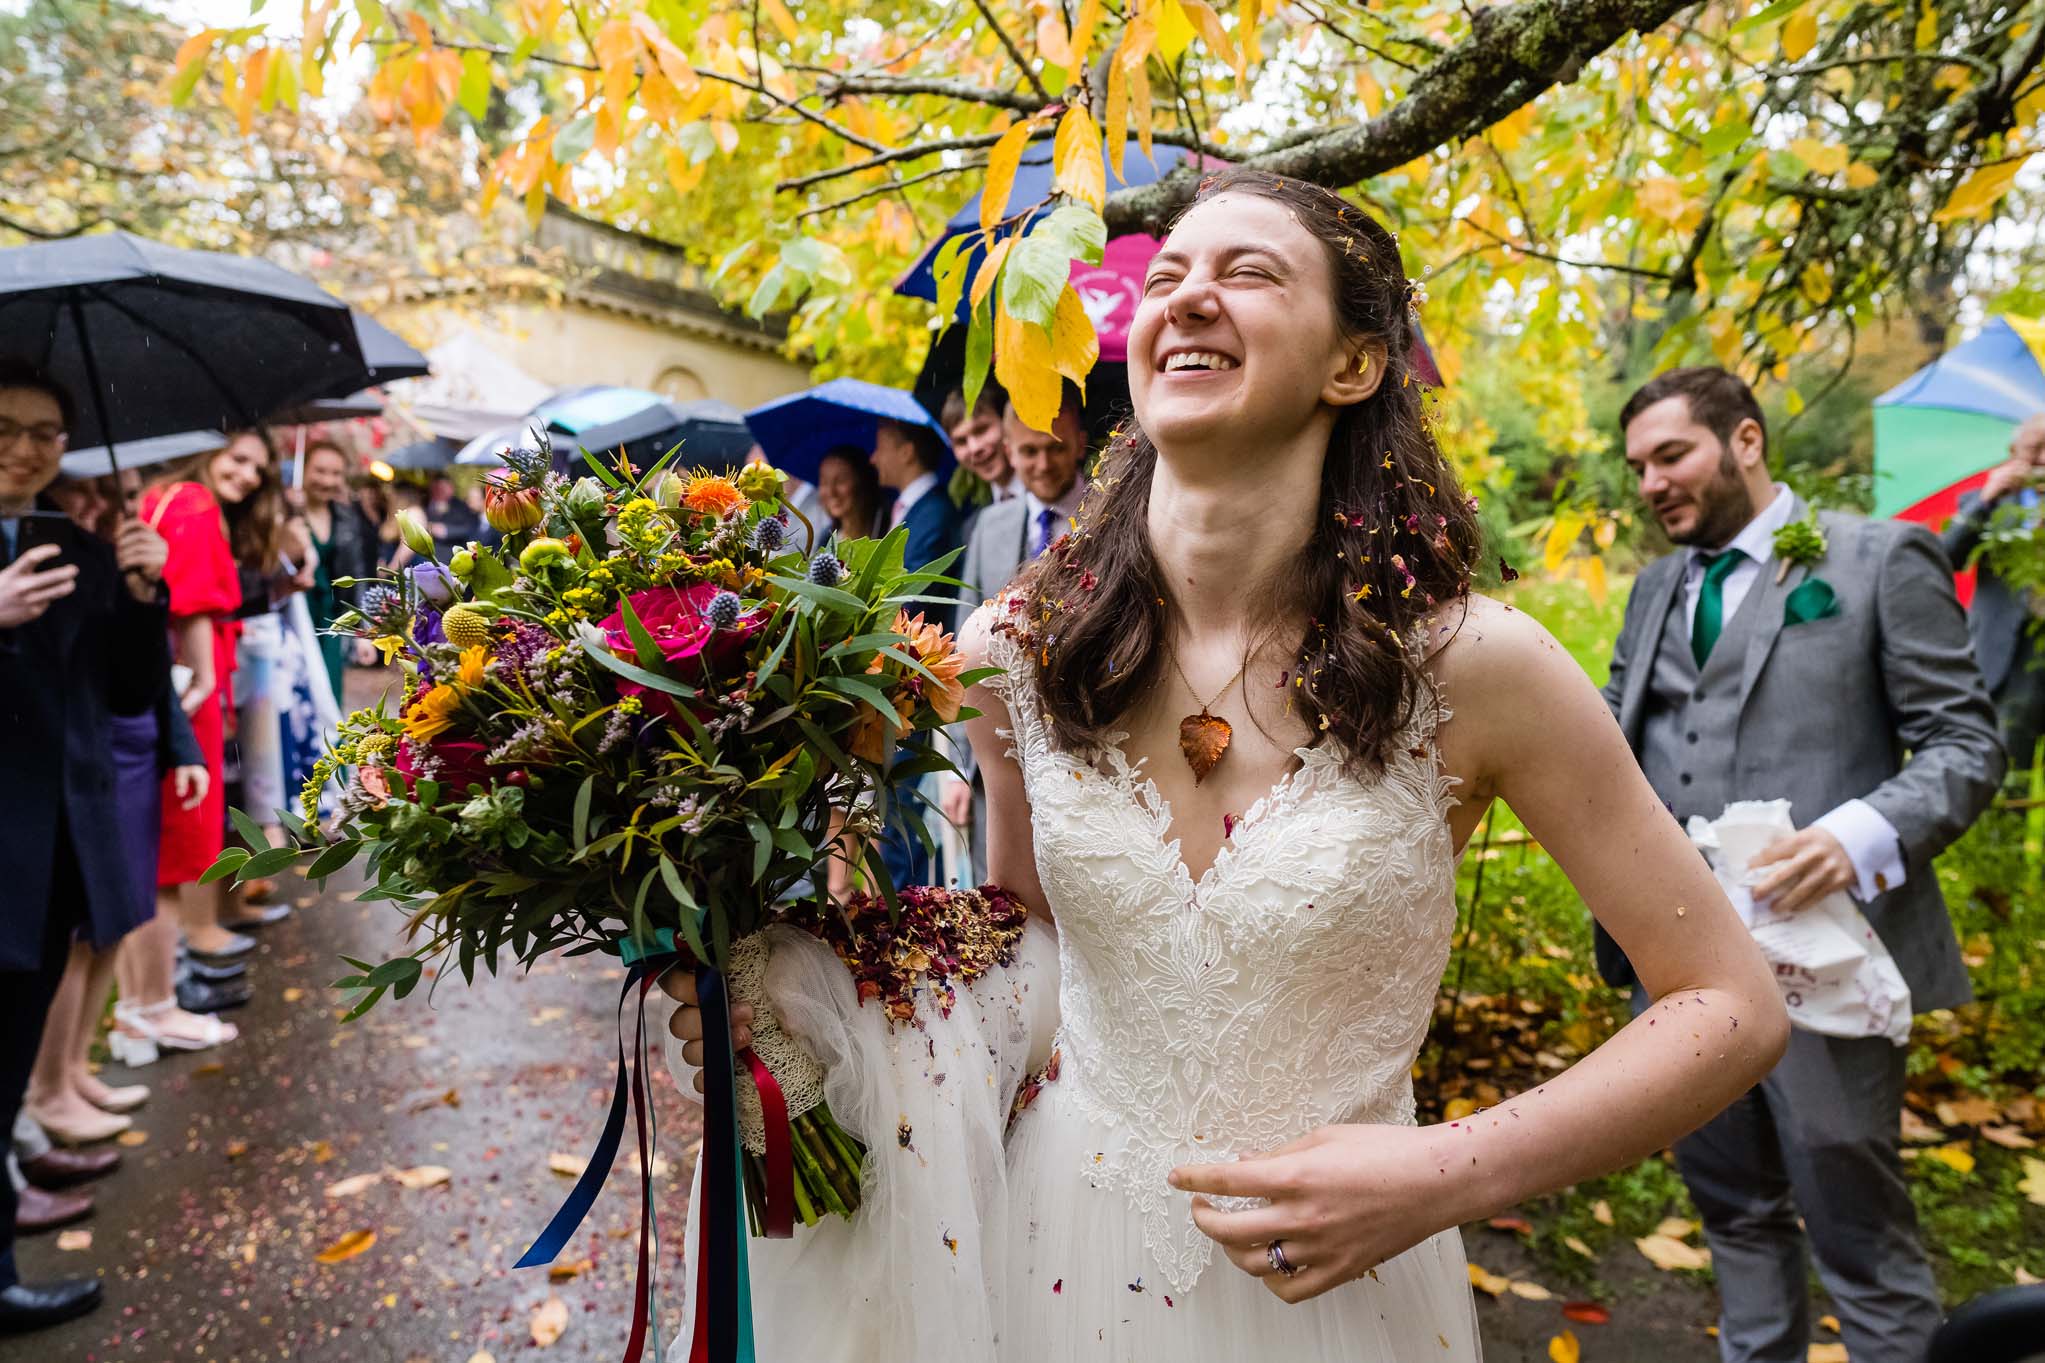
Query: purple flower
[434,583]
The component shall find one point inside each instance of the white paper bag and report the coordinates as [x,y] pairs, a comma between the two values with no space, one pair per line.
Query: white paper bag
[1837,977]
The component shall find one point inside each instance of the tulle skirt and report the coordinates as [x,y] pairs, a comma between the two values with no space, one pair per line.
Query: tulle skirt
[978,1243]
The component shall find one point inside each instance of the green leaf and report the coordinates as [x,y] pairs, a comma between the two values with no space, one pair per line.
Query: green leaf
[230,861]
[949,270]
[581,815]
[605,658]
[1768,15]
[979,350]
[251,832]
[395,972]
[333,858]
[267,863]
[1728,137]
[864,689]
[474,96]
[1032,278]
[763,844]
[610,479]
[688,913]
[864,643]
[834,597]
[575,139]
[645,652]
[1078,230]
[733,257]
[767,295]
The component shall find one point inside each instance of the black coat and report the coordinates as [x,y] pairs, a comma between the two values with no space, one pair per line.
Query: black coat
[95,653]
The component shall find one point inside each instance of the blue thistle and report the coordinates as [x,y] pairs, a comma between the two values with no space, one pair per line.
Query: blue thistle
[724,610]
[825,570]
[770,536]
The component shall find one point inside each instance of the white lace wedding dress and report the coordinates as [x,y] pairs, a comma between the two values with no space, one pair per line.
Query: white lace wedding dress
[1290,987]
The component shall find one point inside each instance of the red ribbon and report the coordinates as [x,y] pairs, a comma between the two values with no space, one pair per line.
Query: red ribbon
[777,1222]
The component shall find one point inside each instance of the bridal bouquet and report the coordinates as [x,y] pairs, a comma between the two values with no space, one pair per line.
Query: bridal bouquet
[625,729]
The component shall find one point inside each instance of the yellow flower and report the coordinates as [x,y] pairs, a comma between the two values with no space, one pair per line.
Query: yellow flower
[389,645]
[433,714]
[474,660]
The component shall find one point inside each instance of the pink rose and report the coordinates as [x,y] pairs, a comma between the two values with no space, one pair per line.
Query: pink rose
[461,765]
[676,617]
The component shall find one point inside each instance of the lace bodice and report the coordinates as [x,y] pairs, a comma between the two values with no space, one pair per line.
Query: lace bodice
[1287,988]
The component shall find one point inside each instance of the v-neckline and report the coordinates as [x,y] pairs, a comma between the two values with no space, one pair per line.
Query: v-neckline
[1127,777]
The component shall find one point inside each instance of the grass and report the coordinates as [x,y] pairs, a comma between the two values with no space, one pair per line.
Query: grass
[1521,998]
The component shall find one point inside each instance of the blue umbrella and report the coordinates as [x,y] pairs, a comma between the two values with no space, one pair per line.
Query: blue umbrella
[1032,185]
[795,432]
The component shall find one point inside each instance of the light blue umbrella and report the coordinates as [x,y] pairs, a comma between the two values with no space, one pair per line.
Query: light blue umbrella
[796,432]
[569,412]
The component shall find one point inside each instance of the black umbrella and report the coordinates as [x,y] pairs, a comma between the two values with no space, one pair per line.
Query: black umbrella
[709,432]
[386,357]
[153,340]
[423,454]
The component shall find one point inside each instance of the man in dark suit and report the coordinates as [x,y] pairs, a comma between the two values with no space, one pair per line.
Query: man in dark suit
[82,637]
[2005,644]
[909,457]
[1835,676]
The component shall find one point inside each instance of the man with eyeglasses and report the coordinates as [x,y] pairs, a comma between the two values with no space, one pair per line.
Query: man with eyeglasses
[82,638]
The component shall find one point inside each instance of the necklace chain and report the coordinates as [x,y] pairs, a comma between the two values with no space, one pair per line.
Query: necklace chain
[1235,677]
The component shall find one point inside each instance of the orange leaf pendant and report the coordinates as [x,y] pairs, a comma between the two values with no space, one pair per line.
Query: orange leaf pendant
[1203,738]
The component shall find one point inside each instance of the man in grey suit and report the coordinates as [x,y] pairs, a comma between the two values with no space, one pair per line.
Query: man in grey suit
[2006,646]
[1004,537]
[1839,679]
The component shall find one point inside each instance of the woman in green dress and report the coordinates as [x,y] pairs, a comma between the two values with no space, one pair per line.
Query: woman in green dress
[345,544]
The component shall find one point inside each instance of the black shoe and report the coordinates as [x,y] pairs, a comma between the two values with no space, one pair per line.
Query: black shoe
[37,1306]
[197,996]
[237,947]
[254,916]
[210,972]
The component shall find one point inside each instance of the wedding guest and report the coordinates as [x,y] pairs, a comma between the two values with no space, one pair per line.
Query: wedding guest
[2002,619]
[66,1100]
[907,459]
[1002,537]
[344,546]
[848,493]
[977,440]
[449,519]
[81,640]
[1835,674]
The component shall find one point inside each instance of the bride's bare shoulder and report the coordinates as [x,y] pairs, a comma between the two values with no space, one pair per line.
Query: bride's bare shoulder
[1478,646]
[976,635]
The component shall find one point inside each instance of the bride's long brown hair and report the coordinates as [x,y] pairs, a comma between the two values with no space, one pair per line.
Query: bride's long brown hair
[1394,537]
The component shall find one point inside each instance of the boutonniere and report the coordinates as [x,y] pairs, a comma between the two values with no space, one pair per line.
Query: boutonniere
[1798,542]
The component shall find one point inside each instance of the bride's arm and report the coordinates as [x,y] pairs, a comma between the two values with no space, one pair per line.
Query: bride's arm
[1011,856]
[1530,729]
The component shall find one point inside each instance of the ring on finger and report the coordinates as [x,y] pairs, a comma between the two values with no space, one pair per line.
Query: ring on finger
[1276,1252]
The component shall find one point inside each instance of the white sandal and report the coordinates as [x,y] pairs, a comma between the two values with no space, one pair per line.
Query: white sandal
[137,1039]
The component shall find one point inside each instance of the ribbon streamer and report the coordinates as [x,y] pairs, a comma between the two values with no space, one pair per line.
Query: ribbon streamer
[777,1221]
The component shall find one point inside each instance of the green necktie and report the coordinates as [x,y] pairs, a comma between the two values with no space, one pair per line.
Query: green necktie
[1711,603]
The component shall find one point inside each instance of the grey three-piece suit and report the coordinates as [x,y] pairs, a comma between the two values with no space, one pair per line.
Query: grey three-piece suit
[2004,644]
[997,546]
[1882,702]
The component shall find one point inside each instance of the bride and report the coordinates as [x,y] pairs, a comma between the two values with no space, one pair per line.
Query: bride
[1249,716]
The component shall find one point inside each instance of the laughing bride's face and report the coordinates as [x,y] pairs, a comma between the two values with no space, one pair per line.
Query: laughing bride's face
[1236,334]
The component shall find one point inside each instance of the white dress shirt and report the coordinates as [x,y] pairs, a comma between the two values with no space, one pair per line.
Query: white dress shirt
[917,490]
[1064,509]
[1012,488]
[1871,841]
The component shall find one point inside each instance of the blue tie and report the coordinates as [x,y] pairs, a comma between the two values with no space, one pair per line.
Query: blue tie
[1047,519]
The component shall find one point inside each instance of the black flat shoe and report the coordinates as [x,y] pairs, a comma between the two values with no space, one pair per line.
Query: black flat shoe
[237,947]
[255,916]
[37,1306]
[210,972]
[197,996]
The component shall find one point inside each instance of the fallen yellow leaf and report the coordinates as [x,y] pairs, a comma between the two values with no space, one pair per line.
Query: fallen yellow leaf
[550,1318]
[2008,1137]
[1530,1291]
[570,1165]
[131,1139]
[1579,1246]
[1484,1280]
[1458,1108]
[561,1273]
[1830,1323]
[74,1240]
[423,1176]
[1601,1212]
[1953,1156]
[2023,1277]
[293,994]
[347,1247]
[349,1187]
[482,1356]
[1918,1131]
[2032,1186]
[1827,1353]
[1563,1348]
[1669,1254]
[1676,1228]
[1968,1111]
[236,1149]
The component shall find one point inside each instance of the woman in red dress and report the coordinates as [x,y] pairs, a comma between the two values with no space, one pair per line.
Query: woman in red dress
[198,508]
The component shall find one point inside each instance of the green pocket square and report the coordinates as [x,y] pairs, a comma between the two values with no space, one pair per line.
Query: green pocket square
[1813,599]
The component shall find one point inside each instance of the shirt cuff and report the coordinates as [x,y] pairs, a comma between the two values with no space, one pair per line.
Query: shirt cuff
[1872,845]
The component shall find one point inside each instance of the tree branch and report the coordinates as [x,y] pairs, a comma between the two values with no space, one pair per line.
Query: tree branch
[889,188]
[1513,53]
[1022,63]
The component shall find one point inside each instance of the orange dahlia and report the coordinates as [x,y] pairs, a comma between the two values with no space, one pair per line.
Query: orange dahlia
[710,495]
[937,651]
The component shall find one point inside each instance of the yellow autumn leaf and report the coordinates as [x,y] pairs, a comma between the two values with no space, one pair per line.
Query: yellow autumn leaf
[1076,159]
[1022,362]
[1820,157]
[1117,116]
[1074,344]
[1594,579]
[1001,167]
[1527,1291]
[1508,131]
[1800,34]
[1601,1212]
[1174,30]
[1676,1227]
[2032,1185]
[349,1187]
[1083,26]
[1458,1108]
[1577,1244]
[1827,1353]
[1976,195]
[549,1319]
[1955,1157]
[1661,197]
[1486,1281]
[1927,28]
[1054,44]
[1369,91]
[347,1247]
[569,1166]
[1669,1254]
[1561,538]
[782,19]
[1209,24]
[1859,175]
[990,269]
[423,1176]
[1563,1348]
